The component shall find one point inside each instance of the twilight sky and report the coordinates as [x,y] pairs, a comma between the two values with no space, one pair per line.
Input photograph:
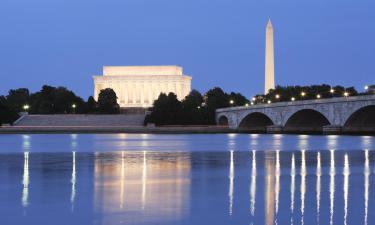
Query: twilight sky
[218,42]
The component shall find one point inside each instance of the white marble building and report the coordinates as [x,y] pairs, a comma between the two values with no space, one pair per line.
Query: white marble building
[139,86]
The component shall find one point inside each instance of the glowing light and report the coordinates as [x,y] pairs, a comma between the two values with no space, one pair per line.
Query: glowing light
[247,104]
[277,96]
[74,106]
[346,94]
[366,87]
[318,96]
[231,102]
[332,90]
[252,103]
[198,107]
[269,101]
[26,107]
[293,99]
[303,94]
[254,99]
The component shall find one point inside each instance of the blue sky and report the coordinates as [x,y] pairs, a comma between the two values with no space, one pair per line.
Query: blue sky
[218,42]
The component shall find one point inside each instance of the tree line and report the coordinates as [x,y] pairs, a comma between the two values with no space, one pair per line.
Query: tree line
[194,109]
[54,100]
[197,109]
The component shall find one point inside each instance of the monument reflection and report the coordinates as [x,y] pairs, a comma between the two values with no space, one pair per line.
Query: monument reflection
[155,185]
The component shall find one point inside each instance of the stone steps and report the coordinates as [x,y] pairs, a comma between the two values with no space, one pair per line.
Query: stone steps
[66,120]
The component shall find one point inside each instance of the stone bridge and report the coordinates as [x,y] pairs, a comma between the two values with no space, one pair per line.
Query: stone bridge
[333,115]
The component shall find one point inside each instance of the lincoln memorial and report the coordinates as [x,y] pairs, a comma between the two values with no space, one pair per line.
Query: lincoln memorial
[139,86]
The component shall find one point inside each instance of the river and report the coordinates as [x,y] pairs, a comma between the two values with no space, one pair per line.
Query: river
[186,179]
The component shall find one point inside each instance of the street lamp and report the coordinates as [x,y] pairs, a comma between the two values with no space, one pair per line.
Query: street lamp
[253,99]
[366,87]
[74,106]
[293,99]
[198,107]
[247,104]
[332,90]
[252,103]
[303,94]
[269,101]
[346,94]
[277,96]
[26,107]
[231,102]
[318,96]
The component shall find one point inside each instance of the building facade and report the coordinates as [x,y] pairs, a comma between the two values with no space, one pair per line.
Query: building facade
[139,86]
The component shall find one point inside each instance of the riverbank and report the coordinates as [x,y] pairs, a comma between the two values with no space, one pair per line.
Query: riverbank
[116,129]
[156,130]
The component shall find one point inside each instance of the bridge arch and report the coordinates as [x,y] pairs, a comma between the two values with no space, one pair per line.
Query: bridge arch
[363,119]
[255,121]
[306,120]
[223,121]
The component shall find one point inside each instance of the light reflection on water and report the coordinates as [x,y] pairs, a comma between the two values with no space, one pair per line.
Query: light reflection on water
[245,184]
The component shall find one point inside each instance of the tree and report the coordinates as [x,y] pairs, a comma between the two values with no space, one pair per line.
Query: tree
[91,105]
[214,99]
[193,110]
[107,102]
[238,99]
[51,100]
[7,115]
[167,110]
[280,94]
[17,98]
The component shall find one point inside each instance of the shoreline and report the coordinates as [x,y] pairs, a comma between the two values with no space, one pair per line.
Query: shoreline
[154,130]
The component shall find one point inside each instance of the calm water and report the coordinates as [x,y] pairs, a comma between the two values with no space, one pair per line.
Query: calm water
[186,179]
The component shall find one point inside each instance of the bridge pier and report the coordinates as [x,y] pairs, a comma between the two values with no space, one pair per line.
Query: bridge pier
[274,129]
[332,129]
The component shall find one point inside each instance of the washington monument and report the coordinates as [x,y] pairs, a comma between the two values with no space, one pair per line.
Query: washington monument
[269,78]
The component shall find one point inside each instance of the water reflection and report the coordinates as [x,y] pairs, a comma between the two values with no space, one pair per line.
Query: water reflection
[73,180]
[145,187]
[292,186]
[332,173]
[144,180]
[26,144]
[253,184]
[318,185]
[25,180]
[156,183]
[346,173]
[277,183]
[231,182]
[303,185]
[367,184]
[270,187]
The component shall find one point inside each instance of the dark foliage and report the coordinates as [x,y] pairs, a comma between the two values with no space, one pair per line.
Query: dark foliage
[282,94]
[7,114]
[52,100]
[107,102]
